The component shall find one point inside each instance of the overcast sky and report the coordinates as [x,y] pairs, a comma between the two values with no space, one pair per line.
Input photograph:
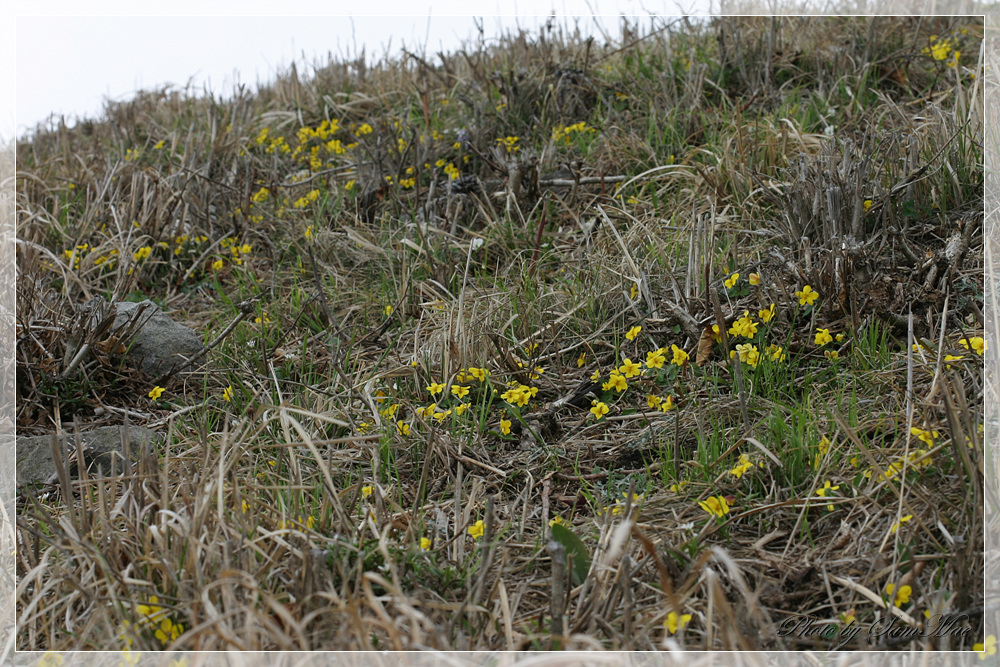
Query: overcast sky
[69,64]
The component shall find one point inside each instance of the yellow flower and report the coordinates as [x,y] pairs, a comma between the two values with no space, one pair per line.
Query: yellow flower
[731,281]
[680,356]
[823,336]
[440,416]
[617,382]
[505,426]
[479,373]
[674,622]
[554,520]
[349,185]
[902,520]
[633,332]
[425,543]
[142,253]
[367,490]
[715,505]
[435,388]
[831,354]
[927,437]
[677,488]
[656,358]
[581,360]
[600,409]
[653,401]
[159,144]
[744,326]
[766,315]
[152,609]
[459,391]
[634,291]
[902,595]
[776,353]
[667,404]
[227,394]
[217,265]
[595,376]
[742,467]
[476,530]
[807,296]
[823,490]
[939,49]
[748,353]
[630,369]
[402,428]
[755,279]
[977,344]
[987,648]
[868,204]
[155,393]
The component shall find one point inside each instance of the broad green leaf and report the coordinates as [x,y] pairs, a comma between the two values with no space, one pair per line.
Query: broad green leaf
[575,549]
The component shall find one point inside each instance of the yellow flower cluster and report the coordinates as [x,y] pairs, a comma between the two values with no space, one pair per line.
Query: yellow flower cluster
[941,49]
[564,133]
[509,143]
[519,394]
[289,524]
[238,252]
[662,404]
[309,198]
[155,618]
[744,326]
[748,354]
[742,466]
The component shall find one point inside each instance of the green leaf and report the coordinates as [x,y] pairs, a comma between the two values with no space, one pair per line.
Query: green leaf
[575,549]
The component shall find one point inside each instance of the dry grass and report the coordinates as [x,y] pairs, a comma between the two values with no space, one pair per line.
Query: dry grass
[290,514]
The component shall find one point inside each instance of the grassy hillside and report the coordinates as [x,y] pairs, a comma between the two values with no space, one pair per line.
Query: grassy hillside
[548,343]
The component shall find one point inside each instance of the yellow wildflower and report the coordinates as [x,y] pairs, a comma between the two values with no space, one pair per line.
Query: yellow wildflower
[715,505]
[902,520]
[977,344]
[630,369]
[807,296]
[675,622]
[656,358]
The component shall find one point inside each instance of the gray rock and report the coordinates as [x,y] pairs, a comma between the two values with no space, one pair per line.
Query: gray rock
[161,343]
[34,453]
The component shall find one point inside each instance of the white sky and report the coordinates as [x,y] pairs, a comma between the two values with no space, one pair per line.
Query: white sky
[69,64]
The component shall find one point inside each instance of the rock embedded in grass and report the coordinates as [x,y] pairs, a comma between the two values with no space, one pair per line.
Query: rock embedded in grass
[161,343]
[34,454]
